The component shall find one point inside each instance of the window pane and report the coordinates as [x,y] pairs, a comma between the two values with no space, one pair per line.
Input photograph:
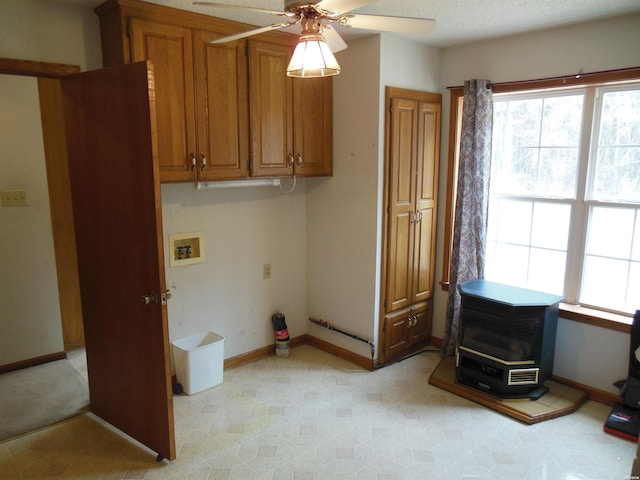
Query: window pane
[510,221]
[507,264]
[524,119]
[604,283]
[546,273]
[562,121]
[528,243]
[635,251]
[551,226]
[535,145]
[558,172]
[617,169]
[610,232]
[633,288]
[610,277]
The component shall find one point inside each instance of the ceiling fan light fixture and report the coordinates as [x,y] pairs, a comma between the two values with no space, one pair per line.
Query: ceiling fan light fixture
[312,58]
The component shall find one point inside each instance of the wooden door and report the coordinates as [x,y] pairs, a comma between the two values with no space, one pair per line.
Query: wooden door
[169,48]
[111,138]
[421,327]
[426,201]
[396,339]
[312,126]
[270,115]
[222,108]
[401,204]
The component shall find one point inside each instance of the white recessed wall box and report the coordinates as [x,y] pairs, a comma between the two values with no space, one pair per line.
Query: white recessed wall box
[186,249]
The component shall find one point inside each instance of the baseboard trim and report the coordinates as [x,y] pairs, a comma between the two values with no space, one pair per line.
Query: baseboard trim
[339,352]
[594,394]
[32,362]
[259,353]
[305,339]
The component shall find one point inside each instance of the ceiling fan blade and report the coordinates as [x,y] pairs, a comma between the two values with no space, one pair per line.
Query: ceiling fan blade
[414,26]
[239,7]
[333,38]
[249,33]
[342,6]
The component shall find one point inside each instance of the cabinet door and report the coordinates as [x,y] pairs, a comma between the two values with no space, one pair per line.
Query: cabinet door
[420,329]
[270,114]
[402,184]
[396,340]
[426,201]
[169,48]
[312,124]
[222,108]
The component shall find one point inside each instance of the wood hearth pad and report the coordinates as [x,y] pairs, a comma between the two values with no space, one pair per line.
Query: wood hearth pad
[559,400]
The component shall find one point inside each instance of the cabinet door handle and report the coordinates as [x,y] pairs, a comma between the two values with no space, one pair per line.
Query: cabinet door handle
[193,161]
[420,216]
[291,159]
[413,217]
[299,157]
[203,162]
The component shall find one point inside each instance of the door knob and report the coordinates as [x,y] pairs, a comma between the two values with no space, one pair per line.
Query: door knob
[149,299]
[166,295]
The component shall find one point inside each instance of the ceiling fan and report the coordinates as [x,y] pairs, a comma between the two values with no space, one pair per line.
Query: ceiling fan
[313,56]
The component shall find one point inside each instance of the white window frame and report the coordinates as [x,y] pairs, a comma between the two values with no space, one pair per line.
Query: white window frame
[583,202]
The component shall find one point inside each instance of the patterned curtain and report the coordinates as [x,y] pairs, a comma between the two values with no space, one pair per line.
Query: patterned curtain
[472,200]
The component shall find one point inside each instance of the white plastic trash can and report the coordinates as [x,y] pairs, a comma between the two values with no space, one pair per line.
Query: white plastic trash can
[199,361]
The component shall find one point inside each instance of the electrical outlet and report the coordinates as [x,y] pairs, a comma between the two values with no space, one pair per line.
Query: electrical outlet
[266,271]
[14,198]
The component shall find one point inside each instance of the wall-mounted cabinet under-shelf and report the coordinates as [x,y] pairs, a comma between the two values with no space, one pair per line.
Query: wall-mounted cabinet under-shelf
[224,111]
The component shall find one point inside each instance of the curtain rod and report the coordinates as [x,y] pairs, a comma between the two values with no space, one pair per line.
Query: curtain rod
[566,80]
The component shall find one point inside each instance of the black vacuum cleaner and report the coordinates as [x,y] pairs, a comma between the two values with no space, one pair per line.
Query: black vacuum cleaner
[624,419]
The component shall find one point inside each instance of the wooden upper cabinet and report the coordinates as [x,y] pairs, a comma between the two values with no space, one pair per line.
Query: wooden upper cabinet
[313,126]
[169,48]
[224,111]
[221,108]
[291,119]
[271,115]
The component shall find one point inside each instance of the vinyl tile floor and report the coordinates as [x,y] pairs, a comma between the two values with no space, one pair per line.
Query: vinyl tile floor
[313,416]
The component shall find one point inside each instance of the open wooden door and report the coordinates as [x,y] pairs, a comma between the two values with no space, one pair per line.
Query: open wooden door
[111,137]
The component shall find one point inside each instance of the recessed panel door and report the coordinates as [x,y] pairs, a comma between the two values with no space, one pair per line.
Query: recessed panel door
[111,137]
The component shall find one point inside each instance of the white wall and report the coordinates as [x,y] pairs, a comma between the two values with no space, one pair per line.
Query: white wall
[243,228]
[584,353]
[31,322]
[342,210]
[29,304]
[345,212]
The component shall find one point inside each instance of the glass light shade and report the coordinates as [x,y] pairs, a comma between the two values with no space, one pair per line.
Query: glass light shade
[312,58]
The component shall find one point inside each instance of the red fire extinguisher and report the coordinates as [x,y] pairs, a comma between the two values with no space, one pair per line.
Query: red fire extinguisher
[281,333]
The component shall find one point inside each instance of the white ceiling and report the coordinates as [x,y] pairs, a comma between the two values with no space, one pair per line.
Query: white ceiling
[457,21]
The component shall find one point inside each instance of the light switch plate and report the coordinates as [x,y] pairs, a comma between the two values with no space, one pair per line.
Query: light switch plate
[14,198]
[186,249]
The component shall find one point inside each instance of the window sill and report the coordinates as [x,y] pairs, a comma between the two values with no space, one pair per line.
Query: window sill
[590,316]
[611,321]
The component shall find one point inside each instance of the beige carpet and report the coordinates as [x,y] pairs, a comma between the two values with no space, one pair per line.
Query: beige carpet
[38,396]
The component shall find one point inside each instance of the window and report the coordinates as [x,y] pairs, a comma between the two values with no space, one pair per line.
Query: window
[564,212]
